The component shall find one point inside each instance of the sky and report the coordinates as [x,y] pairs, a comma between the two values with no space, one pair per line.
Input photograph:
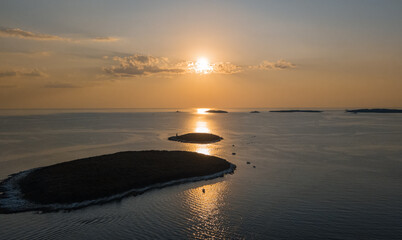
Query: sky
[214,54]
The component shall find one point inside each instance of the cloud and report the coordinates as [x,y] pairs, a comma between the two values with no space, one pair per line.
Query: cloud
[105,39]
[278,65]
[27,54]
[19,33]
[8,74]
[139,64]
[22,73]
[142,65]
[226,68]
[33,73]
[7,86]
[60,85]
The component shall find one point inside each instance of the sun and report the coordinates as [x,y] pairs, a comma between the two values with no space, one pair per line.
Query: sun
[202,110]
[201,66]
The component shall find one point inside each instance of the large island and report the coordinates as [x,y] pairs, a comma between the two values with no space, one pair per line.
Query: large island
[296,111]
[375,110]
[101,179]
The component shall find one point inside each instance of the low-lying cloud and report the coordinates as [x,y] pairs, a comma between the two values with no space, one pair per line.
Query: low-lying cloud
[278,65]
[22,73]
[105,39]
[19,33]
[60,85]
[142,65]
[138,64]
[226,68]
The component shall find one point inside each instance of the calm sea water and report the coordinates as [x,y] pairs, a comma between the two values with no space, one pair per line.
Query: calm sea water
[330,175]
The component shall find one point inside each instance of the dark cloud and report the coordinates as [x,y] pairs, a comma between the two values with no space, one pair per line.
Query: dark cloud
[22,73]
[7,86]
[8,74]
[60,85]
[33,73]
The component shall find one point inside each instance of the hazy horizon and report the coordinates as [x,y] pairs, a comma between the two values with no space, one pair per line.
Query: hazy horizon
[203,107]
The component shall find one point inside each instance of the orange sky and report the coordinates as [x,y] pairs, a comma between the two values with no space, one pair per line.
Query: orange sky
[140,54]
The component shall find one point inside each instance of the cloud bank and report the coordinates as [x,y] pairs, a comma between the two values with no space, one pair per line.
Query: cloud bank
[139,64]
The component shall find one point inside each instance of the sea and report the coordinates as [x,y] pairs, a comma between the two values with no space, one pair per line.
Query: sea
[329,175]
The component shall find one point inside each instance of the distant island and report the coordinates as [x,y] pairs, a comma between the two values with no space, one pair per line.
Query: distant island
[375,110]
[202,138]
[216,111]
[254,112]
[100,179]
[292,111]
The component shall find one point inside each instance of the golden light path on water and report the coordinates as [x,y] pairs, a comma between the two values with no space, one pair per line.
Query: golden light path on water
[204,207]
[201,126]
[203,149]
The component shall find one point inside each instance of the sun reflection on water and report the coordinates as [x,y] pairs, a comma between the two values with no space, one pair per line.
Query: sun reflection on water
[202,127]
[203,149]
[205,210]
[205,203]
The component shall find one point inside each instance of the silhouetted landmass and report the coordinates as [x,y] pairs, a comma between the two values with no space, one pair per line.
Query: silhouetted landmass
[107,175]
[196,138]
[254,112]
[292,111]
[375,110]
[216,111]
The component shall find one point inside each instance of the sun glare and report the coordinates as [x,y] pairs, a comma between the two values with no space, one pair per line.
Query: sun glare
[201,66]
[202,110]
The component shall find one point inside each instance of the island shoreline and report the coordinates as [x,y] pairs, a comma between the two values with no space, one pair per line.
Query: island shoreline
[14,198]
[198,138]
[11,201]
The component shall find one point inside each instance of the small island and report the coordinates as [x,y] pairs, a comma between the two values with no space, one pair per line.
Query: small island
[216,111]
[202,138]
[375,110]
[254,112]
[101,179]
[296,111]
